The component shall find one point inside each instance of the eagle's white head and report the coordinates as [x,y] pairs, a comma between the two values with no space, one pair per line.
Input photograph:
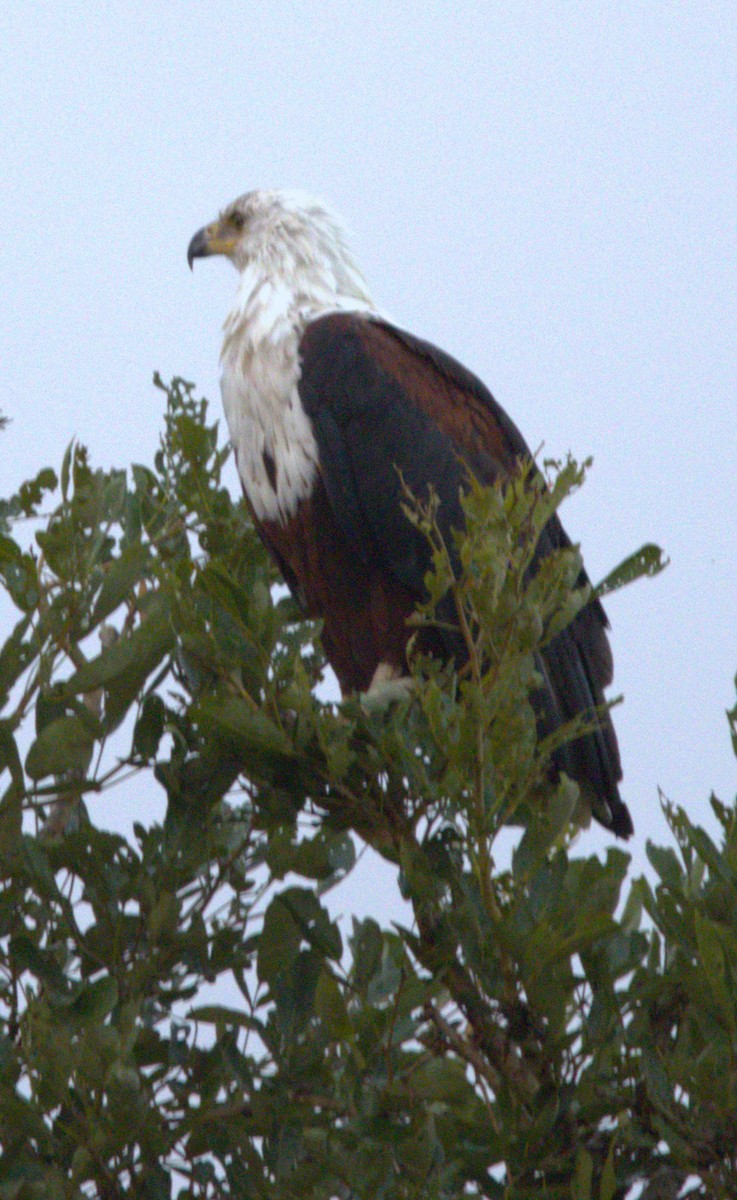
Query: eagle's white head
[288,244]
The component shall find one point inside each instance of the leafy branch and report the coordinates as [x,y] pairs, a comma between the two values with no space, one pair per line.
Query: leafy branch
[181,1011]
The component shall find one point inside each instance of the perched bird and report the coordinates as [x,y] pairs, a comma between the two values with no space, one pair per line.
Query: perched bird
[329,407]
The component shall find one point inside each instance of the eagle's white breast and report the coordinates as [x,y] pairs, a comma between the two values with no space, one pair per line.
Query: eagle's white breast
[274,444]
[275,447]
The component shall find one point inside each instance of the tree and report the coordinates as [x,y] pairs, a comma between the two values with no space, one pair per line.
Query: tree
[178,1013]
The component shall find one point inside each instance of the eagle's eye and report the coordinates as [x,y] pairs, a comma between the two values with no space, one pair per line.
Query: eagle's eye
[237,220]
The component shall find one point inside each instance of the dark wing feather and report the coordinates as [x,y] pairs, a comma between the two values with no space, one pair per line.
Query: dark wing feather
[368,435]
[384,403]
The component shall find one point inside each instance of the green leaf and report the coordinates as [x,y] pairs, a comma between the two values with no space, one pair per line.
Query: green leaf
[93,1001]
[15,656]
[367,946]
[732,719]
[708,853]
[10,551]
[583,1176]
[656,1077]
[193,438]
[66,466]
[31,493]
[43,964]
[11,817]
[330,1006]
[63,745]
[279,941]
[162,921]
[142,650]
[294,991]
[313,921]
[608,1185]
[11,803]
[666,863]
[294,917]
[441,1079]
[712,958]
[20,572]
[220,585]
[326,857]
[149,727]
[648,560]
[9,757]
[120,578]
[244,727]
[123,667]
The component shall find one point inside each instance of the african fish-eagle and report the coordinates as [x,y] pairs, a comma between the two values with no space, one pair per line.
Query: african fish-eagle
[330,407]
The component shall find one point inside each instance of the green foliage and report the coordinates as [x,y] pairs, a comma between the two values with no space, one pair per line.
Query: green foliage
[179,1014]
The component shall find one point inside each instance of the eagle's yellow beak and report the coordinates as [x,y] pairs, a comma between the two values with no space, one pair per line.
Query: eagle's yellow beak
[217,238]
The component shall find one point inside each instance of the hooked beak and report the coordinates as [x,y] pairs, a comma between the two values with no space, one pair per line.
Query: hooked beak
[216,238]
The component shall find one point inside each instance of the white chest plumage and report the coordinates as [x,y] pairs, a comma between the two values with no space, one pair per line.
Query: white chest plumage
[275,446]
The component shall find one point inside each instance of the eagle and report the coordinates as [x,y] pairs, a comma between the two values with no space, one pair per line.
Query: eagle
[332,410]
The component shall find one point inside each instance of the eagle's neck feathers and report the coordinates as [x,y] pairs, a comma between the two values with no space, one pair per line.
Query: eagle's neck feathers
[282,288]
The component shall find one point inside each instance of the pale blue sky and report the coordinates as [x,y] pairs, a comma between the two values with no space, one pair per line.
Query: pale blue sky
[549,191]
